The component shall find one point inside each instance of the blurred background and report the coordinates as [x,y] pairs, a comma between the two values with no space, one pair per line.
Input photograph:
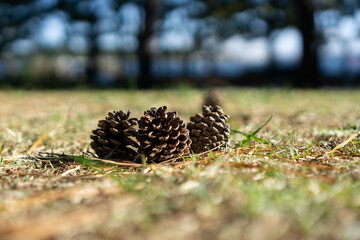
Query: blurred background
[156,43]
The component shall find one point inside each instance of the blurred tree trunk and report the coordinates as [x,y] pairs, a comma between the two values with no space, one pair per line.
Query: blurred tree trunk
[145,78]
[82,11]
[308,73]
[91,64]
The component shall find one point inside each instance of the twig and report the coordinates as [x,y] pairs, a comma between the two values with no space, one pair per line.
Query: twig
[125,164]
[70,171]
[352,137]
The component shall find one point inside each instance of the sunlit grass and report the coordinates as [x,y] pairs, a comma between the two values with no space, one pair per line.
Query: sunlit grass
[276,183]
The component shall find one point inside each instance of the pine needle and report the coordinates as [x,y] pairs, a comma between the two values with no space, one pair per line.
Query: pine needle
[352,137]
[38,143]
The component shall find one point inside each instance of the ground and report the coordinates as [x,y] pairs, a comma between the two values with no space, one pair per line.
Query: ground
[284,185]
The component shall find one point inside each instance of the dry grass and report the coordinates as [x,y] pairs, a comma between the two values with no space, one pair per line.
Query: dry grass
[291,185]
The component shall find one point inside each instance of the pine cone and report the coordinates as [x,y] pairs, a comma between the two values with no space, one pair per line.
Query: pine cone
[212,98]
[209,130]
[115,137]
[162,135]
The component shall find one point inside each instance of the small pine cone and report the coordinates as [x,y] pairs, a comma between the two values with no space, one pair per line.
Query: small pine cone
[212,98]
[162,135]
[209,130]
[115,137]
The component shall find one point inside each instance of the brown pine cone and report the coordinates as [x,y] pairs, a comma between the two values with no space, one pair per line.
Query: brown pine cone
[115,137]
[209,130]
[162,135]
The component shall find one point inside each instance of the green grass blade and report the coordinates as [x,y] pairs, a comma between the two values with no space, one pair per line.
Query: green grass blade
[252,135]
[292,150]
[244,142]
[2,148]
[262,126]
